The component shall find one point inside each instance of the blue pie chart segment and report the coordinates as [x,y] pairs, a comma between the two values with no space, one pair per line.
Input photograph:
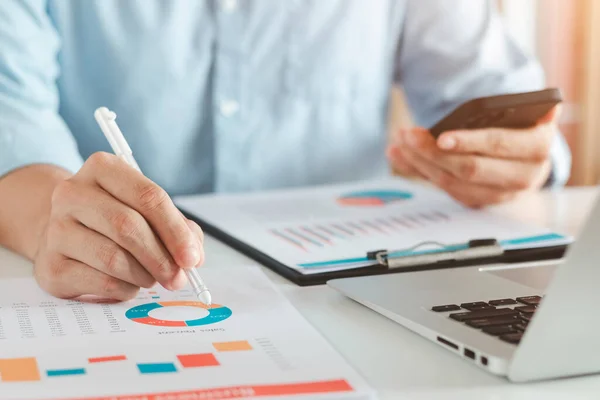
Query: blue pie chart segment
[214,315]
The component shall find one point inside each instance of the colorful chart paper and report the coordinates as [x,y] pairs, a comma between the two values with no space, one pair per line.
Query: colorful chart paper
[328,228]
[257,346]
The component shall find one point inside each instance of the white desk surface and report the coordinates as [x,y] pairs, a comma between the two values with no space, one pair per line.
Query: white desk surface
[396,362]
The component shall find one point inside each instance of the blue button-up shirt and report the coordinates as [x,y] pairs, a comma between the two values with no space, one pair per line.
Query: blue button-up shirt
[237,95]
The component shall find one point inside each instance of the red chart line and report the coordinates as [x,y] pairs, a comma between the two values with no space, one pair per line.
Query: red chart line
[387,224]
[442,215]
[288,240]
[345,230]
[316,234]
[106,359]
[428,217]
[377,228]
[358,227]
[304,237]
[330,232]
[415,220]
[402,222]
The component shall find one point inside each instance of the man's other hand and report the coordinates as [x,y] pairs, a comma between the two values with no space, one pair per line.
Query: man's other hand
[478,167]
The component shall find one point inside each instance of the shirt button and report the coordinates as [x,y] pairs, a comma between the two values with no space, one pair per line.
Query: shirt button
[229,107]
[229,5]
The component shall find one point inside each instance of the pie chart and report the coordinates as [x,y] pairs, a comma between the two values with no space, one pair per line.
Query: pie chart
[373,198]
[141,313]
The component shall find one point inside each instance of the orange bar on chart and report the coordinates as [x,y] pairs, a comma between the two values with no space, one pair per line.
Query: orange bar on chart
[106,359]
[19,370]
[240,345]
[198,360]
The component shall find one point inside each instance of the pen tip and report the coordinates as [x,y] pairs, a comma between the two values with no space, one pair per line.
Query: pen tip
[206,298]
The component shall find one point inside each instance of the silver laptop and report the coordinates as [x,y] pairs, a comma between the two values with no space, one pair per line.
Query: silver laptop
[527,323]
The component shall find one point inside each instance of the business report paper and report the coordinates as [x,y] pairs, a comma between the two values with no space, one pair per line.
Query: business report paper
[167,345]
[329,228]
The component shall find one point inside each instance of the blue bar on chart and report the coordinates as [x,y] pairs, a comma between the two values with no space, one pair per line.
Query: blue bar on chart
[331,232]
[288,239]
[65,372]
[358,227]
[156,368]
[402,222]
[343,229]
[303,237]
[316,234]
[375,227]
[387,224]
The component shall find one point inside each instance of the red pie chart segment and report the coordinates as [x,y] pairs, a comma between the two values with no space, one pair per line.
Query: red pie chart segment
[373,198]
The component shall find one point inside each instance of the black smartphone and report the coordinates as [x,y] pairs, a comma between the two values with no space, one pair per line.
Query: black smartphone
[517,111]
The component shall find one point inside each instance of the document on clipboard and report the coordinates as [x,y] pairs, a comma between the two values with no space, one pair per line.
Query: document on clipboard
[391,223]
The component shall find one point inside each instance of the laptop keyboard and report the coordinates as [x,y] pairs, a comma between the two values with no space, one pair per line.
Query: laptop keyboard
[505,318]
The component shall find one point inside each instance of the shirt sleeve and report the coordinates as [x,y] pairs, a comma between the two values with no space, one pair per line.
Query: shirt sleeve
[453,51]
[31,129]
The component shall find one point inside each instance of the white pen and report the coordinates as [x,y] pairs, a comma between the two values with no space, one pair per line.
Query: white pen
[107,121]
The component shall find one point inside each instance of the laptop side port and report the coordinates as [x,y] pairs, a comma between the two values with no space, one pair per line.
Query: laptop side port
[469,354]
[447,342]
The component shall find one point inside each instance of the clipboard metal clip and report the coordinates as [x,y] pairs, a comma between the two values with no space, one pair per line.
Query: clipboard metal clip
[474,249]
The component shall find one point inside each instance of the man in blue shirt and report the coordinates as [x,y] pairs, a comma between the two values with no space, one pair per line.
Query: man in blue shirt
[236,95]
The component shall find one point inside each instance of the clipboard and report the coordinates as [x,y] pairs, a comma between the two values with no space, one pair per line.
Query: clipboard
[476,252]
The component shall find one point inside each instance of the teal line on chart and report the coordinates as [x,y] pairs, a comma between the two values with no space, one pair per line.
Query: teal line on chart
[506,243]
[532,239]
[65,372]
[157,368]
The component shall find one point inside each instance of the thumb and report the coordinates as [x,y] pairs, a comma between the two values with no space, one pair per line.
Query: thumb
[552,116]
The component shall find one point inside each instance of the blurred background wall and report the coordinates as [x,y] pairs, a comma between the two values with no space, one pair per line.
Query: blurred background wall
[565,36]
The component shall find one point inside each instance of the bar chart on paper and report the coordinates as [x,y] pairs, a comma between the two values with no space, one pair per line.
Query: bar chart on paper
[323,235]
[333,227]
[29,369]
[166,344]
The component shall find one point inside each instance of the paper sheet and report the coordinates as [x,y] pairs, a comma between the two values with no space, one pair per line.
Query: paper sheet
[328,228]
[166,345]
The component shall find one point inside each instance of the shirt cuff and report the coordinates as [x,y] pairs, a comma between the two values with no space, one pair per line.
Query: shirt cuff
[561,163]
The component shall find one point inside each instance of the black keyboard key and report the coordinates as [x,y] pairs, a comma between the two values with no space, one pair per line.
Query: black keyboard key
[525,309]
[526,317]
[486,307]
[484,323]
[478,305]
[513,338]
[530,300]
[521,327]
[500,330]
[482,314]
[501,302]
[447,307]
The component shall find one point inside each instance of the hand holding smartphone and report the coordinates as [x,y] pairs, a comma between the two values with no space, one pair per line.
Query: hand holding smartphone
[513,111]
